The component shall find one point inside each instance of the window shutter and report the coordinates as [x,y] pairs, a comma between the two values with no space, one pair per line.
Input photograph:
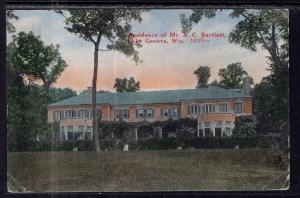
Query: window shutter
[213,108]
[136,112]
[179,112]
[189,109]
[161,112]
[128,113]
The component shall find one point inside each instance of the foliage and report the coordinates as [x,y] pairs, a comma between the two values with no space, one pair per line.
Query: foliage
[57,94]
[111,130]
[215,83]
[244,127]
[10,15]
[267,28]
[93,25]
[232,76]
[125,85]
[35,60]
[30,63]
[203,74]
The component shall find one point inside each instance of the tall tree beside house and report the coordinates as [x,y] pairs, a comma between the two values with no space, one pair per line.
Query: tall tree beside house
[203,74]
[32,67]
[267,28]
[232,76]
[125,85]
[103,26]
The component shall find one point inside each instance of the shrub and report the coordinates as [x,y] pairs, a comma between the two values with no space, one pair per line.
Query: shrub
[244,127]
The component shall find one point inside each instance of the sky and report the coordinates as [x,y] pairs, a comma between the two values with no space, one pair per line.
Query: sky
[164,66]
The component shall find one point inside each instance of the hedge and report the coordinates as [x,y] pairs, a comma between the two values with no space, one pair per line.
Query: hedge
[265,142]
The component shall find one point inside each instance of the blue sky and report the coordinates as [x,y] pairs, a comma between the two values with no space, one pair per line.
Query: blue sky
[165,66]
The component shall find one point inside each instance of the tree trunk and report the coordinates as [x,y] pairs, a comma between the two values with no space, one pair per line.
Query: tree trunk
[94,88]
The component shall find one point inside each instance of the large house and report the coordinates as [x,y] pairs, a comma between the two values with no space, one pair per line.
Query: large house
[214,108]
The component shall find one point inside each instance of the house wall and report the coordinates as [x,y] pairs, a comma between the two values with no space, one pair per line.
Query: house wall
[109,110]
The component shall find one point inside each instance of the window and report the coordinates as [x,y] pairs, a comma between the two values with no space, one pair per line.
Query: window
[80,128]
[74,113]
[149,113]
[174,112]
[228,124]
[238,107]
[86,113]
[145,113]
[165,112]
[61,114]
[70,133]
[169,112]
[140,113]
[209,108]
[207,124]
[70,128]
[195,109]
[219,123]
[222,107]
[89,129]
[218,132]
[68,113]
[125,113]
[80,113]
[121,114]
[227,132]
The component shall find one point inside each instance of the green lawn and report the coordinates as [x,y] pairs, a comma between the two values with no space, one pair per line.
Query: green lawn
[160,170]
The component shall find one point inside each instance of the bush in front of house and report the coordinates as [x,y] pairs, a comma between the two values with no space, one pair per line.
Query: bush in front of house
[263,142]
[244,127]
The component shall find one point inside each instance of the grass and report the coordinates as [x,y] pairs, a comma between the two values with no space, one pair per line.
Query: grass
[155,170]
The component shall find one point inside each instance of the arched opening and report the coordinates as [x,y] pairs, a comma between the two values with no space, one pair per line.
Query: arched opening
[145,132]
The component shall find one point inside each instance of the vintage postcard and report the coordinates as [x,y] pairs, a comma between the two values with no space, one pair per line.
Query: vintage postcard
[142,100]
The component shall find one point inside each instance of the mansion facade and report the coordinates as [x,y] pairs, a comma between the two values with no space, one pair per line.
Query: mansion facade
[214,108]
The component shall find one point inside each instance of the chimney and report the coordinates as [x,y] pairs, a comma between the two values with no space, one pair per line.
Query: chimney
[89,90]
[247,85]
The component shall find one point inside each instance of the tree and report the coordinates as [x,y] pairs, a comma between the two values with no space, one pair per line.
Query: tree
[244,127]
[215,83]
[94,26]
[10,15]
[267,28]
[203,74]
[125,85]
[29,63]
[57,94]
[37,61]
[232,76]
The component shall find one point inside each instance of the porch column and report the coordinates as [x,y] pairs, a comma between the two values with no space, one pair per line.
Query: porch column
[135,131]
[159,132]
